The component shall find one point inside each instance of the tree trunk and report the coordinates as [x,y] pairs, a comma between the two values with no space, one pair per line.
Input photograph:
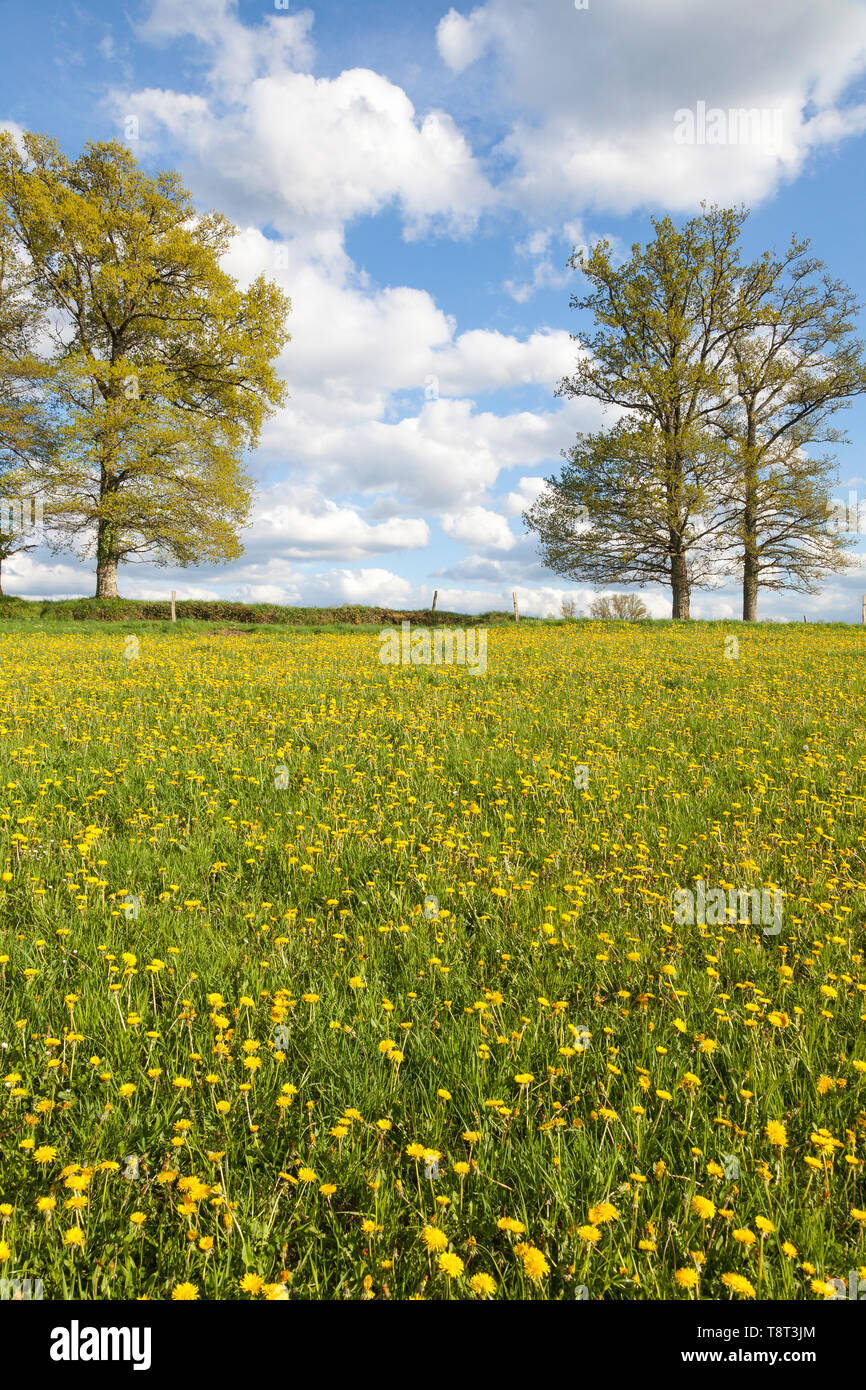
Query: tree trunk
[750,527]
[679,586]
[750,589]
[106,562]
[750,564]
[106,533]
[679,561]
[106,578]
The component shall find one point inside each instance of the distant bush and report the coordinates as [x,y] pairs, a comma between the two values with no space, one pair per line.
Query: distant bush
[116,610]
[623,606]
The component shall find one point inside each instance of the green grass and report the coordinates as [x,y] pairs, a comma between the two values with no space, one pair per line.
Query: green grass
[281,807]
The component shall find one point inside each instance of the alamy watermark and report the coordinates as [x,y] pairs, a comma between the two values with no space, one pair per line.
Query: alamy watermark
[23,516]
[24,1290]
[848,516]
[760,906]
[77,1343]
[442,646]
[856,1287]
[737,126]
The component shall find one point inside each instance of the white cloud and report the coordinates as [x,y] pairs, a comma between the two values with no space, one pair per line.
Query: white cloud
[540,602]
[276,582]
[301,524]
[587,110]
[590,95]
[239,51]
[26,575]
[546,273]
[290,147]
[550,251]
[521,498]
[479,567]
[16,131]
[355,349]
[481,527]
[462,39]
[445,459]
[144,117]
[485,360]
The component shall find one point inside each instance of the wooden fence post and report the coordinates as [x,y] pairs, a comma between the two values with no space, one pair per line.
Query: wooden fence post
[435,596]
[516,609]
[173,614]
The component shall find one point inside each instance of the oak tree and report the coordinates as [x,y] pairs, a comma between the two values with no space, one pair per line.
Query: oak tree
[794,362]
[25,437]
[663,322]
[160,368]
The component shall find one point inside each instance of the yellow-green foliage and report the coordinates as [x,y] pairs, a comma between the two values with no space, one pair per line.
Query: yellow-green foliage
[162,371]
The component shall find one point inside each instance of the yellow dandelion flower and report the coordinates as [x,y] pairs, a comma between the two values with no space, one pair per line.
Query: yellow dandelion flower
[591,1234]
[601,1213]
[434,1239]
[535,1266]
[737,1284]
[483,1285]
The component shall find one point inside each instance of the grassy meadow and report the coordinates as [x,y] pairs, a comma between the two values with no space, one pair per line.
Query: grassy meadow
[327,979]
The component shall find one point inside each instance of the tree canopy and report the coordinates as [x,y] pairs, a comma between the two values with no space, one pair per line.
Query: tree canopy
[723,377]
[158,370]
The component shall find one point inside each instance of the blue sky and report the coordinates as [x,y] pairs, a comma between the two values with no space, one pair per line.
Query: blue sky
[415,176]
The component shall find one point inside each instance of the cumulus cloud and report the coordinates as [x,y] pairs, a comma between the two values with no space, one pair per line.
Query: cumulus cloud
[590,95]
[32,575]
[485,360]
[301,524]
[521,498]
[238,51]
[479,526]
[277,582]
[587,110]
[356,348]
[293,148]
[461,39]
[446,458]
[547,273]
